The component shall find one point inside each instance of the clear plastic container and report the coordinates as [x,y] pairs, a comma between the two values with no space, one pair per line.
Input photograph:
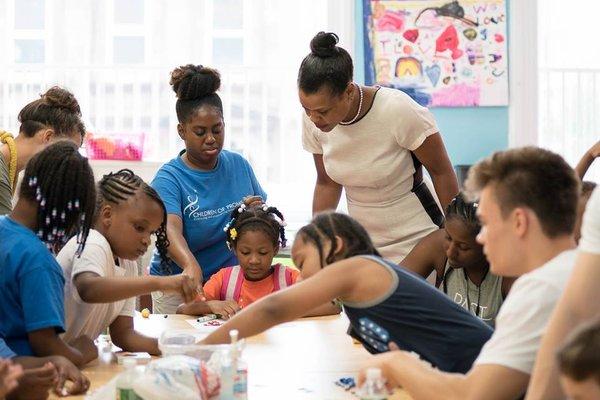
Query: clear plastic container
[187,342]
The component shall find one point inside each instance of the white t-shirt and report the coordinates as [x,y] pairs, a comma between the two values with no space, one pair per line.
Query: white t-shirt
[525,313]
[590,229]
[86,318]
[373,160]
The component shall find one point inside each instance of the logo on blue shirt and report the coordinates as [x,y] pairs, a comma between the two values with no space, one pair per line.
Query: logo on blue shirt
[192,206]
[193,212]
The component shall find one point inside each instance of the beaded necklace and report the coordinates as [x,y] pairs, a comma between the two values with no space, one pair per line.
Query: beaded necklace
[360,103]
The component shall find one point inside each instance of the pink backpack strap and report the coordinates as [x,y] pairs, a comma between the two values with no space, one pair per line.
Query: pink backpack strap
[288,277]
[282,277]
[225,283]
[232,283]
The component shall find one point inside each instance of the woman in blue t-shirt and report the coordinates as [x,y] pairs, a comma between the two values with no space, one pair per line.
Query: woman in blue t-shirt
[201,186]
[384,303]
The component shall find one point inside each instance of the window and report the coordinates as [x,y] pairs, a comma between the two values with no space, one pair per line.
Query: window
[29,14]
[228,32]
[129,11]
[116,56]
[555,90]
[128,49]
[568,79]
[29,51]
[29,32]
[228,51]
[228,14]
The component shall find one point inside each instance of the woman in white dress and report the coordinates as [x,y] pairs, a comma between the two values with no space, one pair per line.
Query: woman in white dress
[372,142]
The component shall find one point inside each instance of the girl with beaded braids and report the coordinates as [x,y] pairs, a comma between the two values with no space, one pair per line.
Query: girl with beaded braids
[201,186]
[255,234]
[373,142]
[384,303]
[102,282]
[462,270]
[56,202]
[55,115]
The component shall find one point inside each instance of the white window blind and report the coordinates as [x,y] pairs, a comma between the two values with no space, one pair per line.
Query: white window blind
[116,55]
[568,79]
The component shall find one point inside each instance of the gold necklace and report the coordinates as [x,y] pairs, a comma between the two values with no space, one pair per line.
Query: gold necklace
[7,138]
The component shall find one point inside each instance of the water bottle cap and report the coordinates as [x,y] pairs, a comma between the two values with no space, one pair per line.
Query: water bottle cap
[373,374]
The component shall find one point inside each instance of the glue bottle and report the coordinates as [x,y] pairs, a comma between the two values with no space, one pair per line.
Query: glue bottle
[229,369]
[374,386]
[126,380]
[240,383]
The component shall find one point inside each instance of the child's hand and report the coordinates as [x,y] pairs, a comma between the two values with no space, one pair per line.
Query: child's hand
[383,361]
[181,284]
[9,376]
[200,296]
[67,371]
[36,382]
[86,347]
[225,309]
[194,272]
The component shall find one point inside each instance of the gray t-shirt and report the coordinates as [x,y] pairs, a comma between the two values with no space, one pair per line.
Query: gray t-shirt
[5,188]
[483,301]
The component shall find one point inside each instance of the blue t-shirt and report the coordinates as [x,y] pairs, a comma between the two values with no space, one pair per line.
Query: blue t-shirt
[204,201]
[5,351]
[418,317]
[31,286]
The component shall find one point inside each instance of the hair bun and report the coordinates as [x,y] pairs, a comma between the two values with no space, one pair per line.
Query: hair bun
[192,82]
[324,44]
[61,98]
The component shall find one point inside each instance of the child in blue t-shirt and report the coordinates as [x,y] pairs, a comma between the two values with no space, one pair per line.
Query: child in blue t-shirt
[56,202]
[202,186]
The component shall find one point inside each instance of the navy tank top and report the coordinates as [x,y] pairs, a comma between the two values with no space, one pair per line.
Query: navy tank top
[419,318]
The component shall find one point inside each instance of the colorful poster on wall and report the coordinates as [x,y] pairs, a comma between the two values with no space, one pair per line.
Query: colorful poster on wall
[442,53]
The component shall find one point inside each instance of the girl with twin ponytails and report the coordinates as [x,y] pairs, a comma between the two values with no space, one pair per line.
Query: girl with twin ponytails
[255,234]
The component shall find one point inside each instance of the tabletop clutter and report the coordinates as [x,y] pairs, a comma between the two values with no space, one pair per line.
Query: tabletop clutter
[191,370]
[201,372]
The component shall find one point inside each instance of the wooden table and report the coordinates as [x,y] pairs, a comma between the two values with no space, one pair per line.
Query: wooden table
[296,360]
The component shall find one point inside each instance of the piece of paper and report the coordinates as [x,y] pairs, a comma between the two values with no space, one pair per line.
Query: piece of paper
[207,326]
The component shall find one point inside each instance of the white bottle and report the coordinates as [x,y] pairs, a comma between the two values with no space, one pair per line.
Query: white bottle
[125,381]
[240,383]
[374,386]
[229,368]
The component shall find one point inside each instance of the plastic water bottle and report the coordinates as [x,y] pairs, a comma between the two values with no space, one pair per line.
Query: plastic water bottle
[374,386]
[227,379]
[125,381]
[240,383]
[240,386]
[229,368]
